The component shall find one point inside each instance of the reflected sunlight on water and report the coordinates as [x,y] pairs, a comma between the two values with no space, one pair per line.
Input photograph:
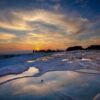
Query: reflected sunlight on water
[54,85]
[52,81]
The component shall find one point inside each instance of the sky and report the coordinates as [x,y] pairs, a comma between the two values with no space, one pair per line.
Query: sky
[48,24]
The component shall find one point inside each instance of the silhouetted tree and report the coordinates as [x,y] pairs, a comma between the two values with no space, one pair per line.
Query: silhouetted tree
[93,47]
[47,51]
[74,48]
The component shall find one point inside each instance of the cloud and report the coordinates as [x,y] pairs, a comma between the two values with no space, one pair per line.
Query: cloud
[26,20]
[7,36]
[41,41]
[9,21]
[91,30]
[47,29]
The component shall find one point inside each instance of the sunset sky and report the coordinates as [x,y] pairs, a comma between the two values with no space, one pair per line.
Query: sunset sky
[48,24]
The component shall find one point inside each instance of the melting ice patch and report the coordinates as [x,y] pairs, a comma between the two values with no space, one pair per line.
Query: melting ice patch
[56,85]
[53,82]
[31,71]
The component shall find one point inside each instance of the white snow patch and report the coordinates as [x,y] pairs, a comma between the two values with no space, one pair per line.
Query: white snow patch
[30,61]
[85,59]
[64,59]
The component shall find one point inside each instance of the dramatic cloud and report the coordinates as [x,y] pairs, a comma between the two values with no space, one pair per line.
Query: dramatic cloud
[48,24]
[9,21]
[70,24]
[31,20]
[7,36]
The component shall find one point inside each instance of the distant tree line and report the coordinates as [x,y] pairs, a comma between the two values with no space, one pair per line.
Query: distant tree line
[92,47]
[48,51]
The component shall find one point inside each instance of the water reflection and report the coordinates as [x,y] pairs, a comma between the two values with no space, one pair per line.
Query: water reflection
[31,71]
[56,85]
[52,81]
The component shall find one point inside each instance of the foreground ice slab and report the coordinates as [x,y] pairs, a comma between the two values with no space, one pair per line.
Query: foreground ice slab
[55,85]
[74,60]
[61,76]
[30,72]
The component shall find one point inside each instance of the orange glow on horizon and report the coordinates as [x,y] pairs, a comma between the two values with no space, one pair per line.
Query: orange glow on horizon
[37,49]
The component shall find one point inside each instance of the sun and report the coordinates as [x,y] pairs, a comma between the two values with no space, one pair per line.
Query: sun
[37,48]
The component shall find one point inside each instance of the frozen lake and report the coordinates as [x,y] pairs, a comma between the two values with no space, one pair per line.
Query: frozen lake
[56,76]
